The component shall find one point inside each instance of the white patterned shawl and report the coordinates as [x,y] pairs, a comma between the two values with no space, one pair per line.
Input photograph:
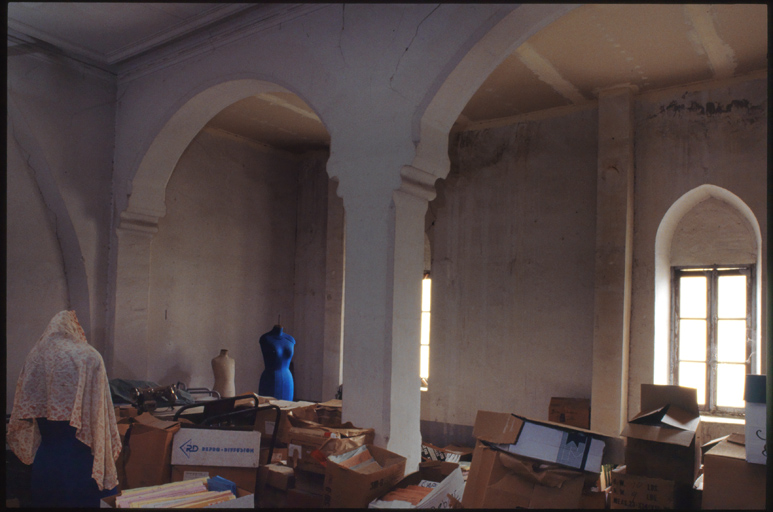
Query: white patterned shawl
[64,379]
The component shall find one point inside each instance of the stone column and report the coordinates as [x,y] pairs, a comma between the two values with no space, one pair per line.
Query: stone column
[614,256]
[130,334]
[384,264]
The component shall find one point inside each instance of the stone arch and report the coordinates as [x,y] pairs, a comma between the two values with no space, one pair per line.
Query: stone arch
[138,223]
[71,253]
[663,241]
[146,202]
[433,123]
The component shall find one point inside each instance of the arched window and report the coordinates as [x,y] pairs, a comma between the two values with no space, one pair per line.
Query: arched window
[707,298]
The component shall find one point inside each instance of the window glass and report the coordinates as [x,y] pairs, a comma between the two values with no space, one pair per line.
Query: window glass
[692,340]
[732,297]
[693,375]
[731,341]
[692,297]
[730,385]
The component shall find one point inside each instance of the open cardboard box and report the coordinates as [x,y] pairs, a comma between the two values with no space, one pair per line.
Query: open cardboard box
[499,479]
[445,479]
[520,462]
[547,441]
[661,439]
[146,456]
[729,481]
[265,419]
[355,486]
[308,448]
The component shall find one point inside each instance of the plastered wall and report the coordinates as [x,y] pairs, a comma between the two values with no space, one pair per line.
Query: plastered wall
[222,262]
[513,240]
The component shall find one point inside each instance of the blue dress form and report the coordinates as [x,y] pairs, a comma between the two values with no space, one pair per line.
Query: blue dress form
[276,380]
[61,472]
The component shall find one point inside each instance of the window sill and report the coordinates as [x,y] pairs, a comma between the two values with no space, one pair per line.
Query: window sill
[723,419]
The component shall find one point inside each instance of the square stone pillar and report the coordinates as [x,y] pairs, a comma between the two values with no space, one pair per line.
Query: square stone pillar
[614,257]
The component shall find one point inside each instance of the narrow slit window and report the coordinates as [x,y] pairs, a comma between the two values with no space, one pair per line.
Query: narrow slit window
[426,296]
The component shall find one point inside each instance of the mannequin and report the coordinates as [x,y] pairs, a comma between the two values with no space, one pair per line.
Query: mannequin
[63,422]
[224,368]
[276,380]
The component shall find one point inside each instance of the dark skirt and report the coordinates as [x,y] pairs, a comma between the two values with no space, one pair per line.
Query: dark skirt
[61,472]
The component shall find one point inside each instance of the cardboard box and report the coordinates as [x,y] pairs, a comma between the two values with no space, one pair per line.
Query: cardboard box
[640,492]
[570,411]
[309,481]
[661,440]
[308,448]
[216,447]
[146,456]
[233,454]
[499,479]
[356,487]
[265,419]
[276,476]
[444,478]
[302,499]
[125,411]
[594,499]
[279,455]
[729,481]
[756,419]
[568,446]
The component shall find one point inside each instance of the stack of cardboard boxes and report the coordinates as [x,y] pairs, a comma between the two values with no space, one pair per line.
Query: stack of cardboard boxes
[662,452]
[517,461]
[734,468]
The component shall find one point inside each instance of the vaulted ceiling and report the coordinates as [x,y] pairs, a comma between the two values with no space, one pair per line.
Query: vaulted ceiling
[595,46]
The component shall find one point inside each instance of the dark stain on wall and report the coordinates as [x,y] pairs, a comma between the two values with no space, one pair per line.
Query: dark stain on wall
[711,108]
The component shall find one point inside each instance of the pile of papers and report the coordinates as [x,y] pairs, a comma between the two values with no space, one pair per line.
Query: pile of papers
[359,460]
[185,494]
[413,494]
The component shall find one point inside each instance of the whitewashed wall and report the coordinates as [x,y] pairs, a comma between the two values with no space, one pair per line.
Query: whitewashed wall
[512,270]
[222,260]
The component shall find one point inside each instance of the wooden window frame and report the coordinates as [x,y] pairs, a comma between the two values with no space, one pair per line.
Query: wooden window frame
[712,273]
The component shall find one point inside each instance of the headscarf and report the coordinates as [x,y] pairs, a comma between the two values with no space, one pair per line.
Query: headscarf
[64,379]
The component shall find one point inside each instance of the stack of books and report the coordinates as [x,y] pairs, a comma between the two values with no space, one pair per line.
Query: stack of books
[185,494]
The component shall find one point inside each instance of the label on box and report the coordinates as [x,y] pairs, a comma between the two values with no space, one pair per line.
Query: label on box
[269,427]
[294,450]
[637,492]
[213,447]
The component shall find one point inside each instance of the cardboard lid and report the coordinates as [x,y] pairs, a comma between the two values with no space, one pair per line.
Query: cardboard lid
[504,428]
[497,427]
[149,420]
[659,434]
[654,396]
[728,448]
